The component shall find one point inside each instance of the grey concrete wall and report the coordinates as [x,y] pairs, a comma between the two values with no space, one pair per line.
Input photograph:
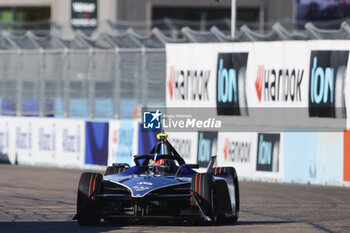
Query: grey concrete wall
[61,12]
[131,10]
[141,10]
[279,9]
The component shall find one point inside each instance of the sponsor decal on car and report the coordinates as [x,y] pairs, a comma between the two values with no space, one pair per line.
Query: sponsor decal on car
[145,183]
[140,188]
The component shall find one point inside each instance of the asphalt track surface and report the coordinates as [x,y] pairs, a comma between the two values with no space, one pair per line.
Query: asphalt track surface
[38,199]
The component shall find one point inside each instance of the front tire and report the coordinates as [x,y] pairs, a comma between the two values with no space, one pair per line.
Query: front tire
[230,172]
[202,187]
[87,205]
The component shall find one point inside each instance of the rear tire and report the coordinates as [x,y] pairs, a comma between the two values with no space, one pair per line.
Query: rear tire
[87,205]
[202,187]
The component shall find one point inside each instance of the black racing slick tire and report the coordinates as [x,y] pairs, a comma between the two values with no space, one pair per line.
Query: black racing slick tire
[202,188]
[87,205]
[230,171]
[115,170]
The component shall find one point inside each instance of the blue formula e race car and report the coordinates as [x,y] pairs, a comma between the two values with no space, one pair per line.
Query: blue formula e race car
[160,185]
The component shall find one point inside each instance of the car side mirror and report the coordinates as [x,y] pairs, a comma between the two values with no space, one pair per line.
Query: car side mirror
[211,163]
[192,166]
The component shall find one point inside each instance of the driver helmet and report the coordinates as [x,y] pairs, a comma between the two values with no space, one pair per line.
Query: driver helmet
[159,162]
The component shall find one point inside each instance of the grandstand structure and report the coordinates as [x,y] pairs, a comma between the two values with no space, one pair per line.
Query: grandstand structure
[116,71]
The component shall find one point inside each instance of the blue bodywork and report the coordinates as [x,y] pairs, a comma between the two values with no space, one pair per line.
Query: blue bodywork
[162,185]
[142,184]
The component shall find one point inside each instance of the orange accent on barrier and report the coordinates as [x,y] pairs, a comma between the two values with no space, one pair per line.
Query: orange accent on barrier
[90,184]
[346,155]
[216,169]
[220,171]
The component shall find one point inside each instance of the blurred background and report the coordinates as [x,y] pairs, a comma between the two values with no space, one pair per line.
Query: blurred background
[76,74]
[100,62]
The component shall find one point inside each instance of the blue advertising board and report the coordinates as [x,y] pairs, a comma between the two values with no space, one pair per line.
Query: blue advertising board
[147,139]
[96,147]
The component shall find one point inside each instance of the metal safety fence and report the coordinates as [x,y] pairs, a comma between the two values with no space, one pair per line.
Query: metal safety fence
[104,78]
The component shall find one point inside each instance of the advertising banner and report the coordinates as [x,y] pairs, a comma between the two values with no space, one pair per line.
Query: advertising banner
[45,141]
[58,142]
[277,74]
[84,14]
[21,140]
[329,94]
[191,75]
[300,156]
[70,142]
[96,149]
[185,144]
[5,140]
[268,152]
[327,81]
[231,84]
[122,141]
[207,147]
[276,84]
[237,149]
[269,158]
